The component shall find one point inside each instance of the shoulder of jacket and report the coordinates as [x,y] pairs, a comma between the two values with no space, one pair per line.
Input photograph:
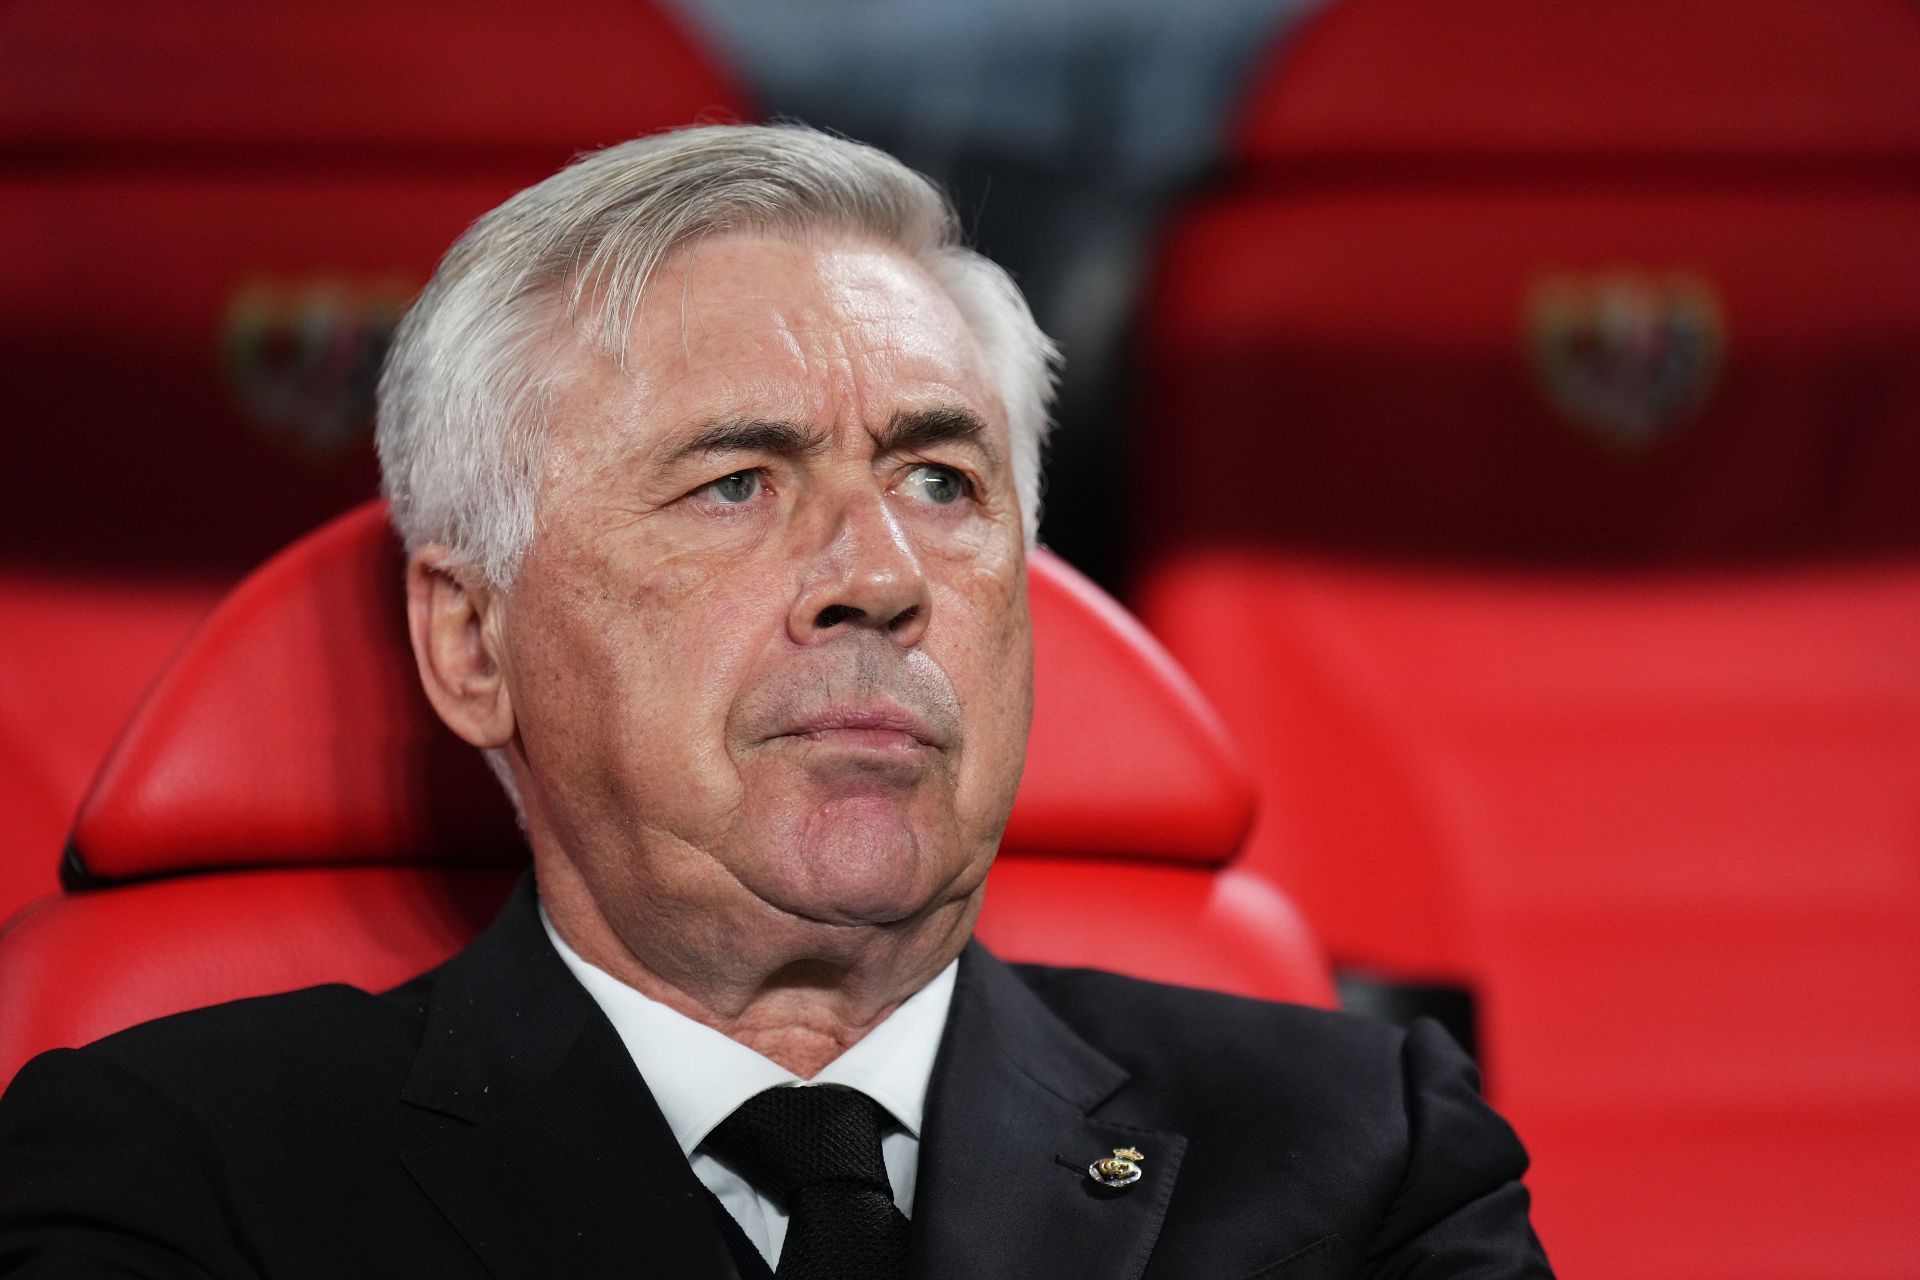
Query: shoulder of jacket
[1081,995]
[299,1031]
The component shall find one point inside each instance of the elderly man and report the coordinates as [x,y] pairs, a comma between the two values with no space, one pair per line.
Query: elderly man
[717,458]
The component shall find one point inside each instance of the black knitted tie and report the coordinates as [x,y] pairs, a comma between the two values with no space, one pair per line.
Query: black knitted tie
[816,1149]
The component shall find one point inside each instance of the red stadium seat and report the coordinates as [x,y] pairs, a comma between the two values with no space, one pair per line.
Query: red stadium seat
[1665,826]
[1626,283]
[77,653]
[1602,293]
[213,214]
[314,822]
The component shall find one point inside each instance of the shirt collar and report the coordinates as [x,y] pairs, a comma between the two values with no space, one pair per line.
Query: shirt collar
[699,1076]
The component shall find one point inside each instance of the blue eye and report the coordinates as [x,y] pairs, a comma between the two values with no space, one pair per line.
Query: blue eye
[936,484]
[741,486]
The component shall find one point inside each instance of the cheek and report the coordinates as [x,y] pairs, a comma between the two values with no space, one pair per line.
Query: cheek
[692,636]
[632,673]
[992,668]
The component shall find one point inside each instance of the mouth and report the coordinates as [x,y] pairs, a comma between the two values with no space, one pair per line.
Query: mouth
[883,729]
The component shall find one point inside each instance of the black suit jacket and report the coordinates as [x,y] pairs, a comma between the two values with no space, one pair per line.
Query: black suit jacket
[485,1120]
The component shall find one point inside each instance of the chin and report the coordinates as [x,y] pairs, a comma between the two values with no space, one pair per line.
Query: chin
[859,861]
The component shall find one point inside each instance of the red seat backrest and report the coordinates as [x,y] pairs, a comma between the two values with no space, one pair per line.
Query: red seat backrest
[76,653]
[213,215]
[1631,283]
[291,735]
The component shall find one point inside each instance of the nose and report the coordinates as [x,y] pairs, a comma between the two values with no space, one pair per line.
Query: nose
[867,574]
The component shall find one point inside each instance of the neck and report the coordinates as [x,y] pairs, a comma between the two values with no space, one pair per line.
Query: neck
[797,992]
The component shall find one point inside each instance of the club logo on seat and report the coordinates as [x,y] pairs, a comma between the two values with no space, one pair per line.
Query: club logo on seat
[1625,356]
[302,356]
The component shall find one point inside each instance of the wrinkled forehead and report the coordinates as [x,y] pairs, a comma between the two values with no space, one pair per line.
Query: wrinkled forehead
[835,332]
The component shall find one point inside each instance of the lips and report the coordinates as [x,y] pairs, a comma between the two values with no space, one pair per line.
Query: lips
[882,727]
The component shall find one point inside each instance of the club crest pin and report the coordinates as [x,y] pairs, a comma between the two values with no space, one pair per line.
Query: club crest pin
[1121,1169]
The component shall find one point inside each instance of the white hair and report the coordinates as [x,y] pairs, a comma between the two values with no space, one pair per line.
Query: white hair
[463,395]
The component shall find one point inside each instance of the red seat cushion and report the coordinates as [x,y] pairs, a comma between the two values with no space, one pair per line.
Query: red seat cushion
[76,968]
[1665,827]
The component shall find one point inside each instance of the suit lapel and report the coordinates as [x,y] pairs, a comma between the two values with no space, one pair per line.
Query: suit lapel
[568,1168]
[1010,1130]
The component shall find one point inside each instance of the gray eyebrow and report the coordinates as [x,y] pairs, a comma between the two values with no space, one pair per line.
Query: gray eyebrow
[918,428]
[749,435]
[907,430]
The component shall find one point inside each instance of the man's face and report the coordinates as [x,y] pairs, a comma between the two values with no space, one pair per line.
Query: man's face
[768,653]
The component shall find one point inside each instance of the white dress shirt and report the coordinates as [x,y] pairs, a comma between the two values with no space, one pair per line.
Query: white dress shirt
[699,1077]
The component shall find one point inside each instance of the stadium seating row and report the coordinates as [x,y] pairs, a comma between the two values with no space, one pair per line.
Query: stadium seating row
[1534,429]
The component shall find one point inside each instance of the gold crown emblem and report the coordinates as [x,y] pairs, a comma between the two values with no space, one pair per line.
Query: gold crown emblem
[1121,1169]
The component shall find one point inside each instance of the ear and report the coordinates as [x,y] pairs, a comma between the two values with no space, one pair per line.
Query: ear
[453,618]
